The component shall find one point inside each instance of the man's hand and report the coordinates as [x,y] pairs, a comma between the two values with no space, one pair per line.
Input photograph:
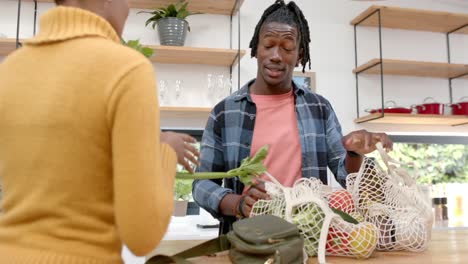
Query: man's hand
[256,192]
[363,142]
[181,143]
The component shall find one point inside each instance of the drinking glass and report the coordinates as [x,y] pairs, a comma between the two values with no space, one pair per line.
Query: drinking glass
[211,88]
[163,89]
[227,86]
[219,87]
[178,89]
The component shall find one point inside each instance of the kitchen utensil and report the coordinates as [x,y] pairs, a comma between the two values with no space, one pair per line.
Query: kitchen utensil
[429,108]
[460,108]
[391,107]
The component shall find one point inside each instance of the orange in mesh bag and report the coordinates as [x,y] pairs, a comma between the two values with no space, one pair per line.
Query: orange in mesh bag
[324,231]
[391,200]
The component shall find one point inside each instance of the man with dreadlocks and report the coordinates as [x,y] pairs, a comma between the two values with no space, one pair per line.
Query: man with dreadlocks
[300,127]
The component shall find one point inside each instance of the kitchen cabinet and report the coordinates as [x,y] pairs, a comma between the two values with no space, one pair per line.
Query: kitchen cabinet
[411,19]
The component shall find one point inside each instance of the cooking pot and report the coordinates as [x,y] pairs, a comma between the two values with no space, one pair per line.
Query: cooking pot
[429,108]
[390,107]
[460,108]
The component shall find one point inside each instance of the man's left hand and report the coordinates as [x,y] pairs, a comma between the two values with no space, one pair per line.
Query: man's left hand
[363,141]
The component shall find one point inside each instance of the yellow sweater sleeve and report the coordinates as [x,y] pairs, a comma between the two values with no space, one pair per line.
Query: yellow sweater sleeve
[143,168]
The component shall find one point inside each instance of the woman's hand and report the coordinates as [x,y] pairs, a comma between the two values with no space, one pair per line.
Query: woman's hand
[182,145]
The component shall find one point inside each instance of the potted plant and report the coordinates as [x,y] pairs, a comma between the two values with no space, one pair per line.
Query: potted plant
[172,26]
[182,194]
[135,44]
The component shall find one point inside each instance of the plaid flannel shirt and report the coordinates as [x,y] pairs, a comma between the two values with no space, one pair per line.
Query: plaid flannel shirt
[227,139]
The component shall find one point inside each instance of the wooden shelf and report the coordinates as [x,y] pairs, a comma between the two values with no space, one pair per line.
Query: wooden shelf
[414,68]
[220,7]
[191,55]
[169,54]
[411,119]
[184,112]
[414,19]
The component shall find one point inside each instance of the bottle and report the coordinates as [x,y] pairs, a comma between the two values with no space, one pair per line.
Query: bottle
[440,211]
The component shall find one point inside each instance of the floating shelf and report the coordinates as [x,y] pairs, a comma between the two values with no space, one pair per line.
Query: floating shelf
[169,54]
[184,112]
[220,7]
[414,68]
[411,119]
[414,19]
[191,55]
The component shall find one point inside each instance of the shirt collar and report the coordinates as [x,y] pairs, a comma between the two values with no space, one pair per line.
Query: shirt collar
[243,93]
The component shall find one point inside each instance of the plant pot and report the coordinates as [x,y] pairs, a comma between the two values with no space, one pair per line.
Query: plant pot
[193,208]
[180,208]
[172,31]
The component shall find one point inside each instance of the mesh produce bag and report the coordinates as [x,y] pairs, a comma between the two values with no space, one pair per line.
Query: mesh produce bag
[391,200]
[324,231]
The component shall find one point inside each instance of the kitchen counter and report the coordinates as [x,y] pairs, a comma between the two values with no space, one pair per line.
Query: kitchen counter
[447,246]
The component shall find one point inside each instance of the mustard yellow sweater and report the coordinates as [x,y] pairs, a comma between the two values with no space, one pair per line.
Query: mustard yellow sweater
[81,165]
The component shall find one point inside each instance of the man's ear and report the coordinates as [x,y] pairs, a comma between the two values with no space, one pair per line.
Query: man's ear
[299,57]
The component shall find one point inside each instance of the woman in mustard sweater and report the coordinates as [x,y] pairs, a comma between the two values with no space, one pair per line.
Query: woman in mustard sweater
[83,165]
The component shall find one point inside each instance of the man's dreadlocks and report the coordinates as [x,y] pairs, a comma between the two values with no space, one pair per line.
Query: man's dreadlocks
[289,14]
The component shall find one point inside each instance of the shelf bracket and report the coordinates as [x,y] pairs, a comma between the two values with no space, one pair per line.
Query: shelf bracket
[379,14]
[18,18]
[369,67]
[382,115]
[449,59]
[35,17]
[235,9]
[461,124]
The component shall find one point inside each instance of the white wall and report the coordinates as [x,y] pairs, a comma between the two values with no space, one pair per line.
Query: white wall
[332,53]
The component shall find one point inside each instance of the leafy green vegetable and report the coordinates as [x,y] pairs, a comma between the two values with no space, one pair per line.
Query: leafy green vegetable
[345,216]
[247,171]
[182,189]
[135,44]
[309,219]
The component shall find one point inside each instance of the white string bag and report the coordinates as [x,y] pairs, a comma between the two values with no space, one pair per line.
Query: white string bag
[393,202]
[304,205]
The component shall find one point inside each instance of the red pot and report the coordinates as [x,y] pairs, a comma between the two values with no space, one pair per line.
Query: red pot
[460,108]
[391,109]
[429,108]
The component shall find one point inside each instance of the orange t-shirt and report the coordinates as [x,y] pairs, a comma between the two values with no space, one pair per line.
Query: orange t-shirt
[276,126]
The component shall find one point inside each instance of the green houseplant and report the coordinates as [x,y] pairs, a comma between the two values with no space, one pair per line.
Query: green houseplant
[135,44]
[182,194]
[172,26]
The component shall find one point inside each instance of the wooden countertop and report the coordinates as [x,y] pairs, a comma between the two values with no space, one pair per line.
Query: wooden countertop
[447,246]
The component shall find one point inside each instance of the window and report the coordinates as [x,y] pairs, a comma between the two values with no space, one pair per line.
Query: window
[442,163]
